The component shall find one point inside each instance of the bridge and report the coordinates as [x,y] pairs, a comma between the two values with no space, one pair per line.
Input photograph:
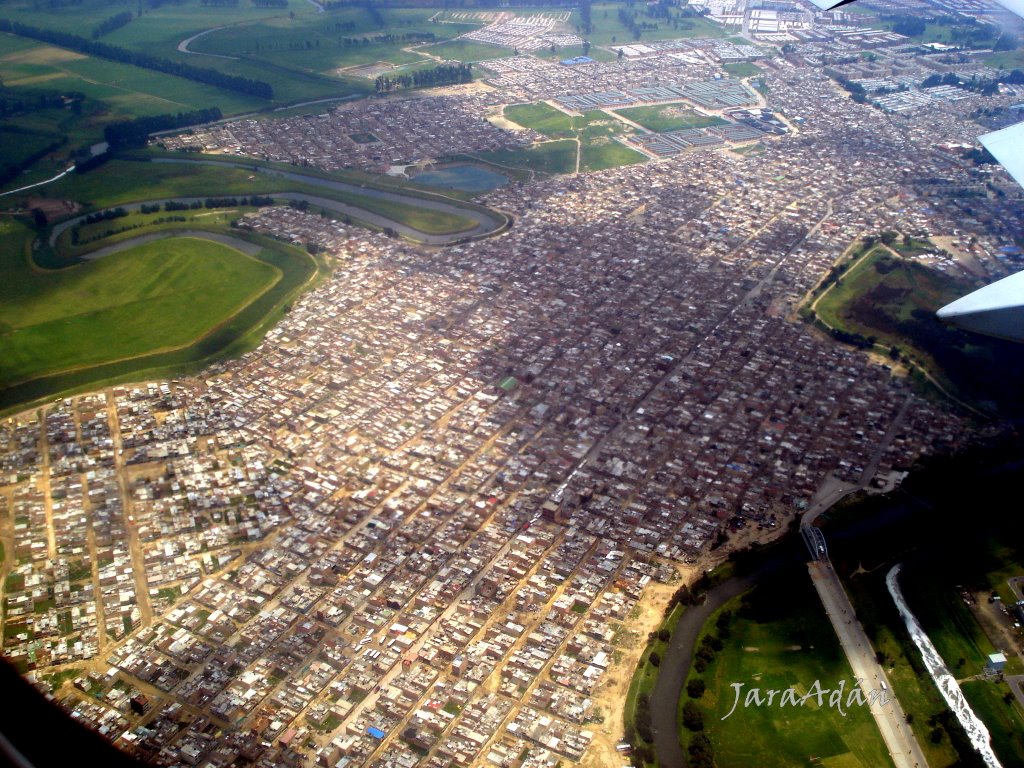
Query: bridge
[815,541]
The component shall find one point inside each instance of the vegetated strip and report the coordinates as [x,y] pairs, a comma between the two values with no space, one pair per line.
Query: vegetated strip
[80,44]
[237,334]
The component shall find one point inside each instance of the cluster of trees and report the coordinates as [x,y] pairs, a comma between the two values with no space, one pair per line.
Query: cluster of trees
[637,28]
[90,162]
[586,22]
[910,26]
[135,133]
[270,3]
[984,87]
[964,31]
[80,44]
[1007,42]
[22,102]
[443,74]
[107,26]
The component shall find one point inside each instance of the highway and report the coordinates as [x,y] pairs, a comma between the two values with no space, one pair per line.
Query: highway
[892,722]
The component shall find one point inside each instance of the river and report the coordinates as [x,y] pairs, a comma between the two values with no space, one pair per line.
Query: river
[675,664]
[486,222]
[946,683]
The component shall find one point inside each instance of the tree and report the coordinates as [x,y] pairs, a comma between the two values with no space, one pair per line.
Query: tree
[621,52]
[654,659]
[695,688]
[693,718]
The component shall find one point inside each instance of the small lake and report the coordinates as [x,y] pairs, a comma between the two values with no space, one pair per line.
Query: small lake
[464,177]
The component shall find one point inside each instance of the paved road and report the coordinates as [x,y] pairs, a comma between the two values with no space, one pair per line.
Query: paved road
[891,721]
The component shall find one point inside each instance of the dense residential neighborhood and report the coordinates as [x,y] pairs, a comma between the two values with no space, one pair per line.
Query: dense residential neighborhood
[420,523]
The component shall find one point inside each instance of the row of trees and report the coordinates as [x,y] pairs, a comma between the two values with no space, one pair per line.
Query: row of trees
[107,26]
[81,44]
[443,74]
[134,133]
[210,203]
[11,171]
[349,42]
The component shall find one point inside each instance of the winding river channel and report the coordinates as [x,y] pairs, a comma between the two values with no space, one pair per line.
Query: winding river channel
[946,683]
[486,222]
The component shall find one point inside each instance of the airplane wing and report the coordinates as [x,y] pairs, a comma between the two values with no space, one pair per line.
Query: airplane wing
[1007,146]
[995,310]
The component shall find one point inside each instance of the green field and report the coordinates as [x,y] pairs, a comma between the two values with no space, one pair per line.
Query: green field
[598,154]
[467,50]
[894,301]
[608,29]
[160,295]
[950,34]
[594,130]
[742,69]
[1006,59]
[669,117]
[323,43]
[126,90]
[543,118]
[549,157]
[768,648]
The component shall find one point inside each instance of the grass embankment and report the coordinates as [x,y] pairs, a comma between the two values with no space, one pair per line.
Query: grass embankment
[156,309]
[753,642]
[877,300]
[161,295]
[107,187]
[636,715]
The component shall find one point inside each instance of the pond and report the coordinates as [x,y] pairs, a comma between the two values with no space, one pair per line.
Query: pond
[464,177]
